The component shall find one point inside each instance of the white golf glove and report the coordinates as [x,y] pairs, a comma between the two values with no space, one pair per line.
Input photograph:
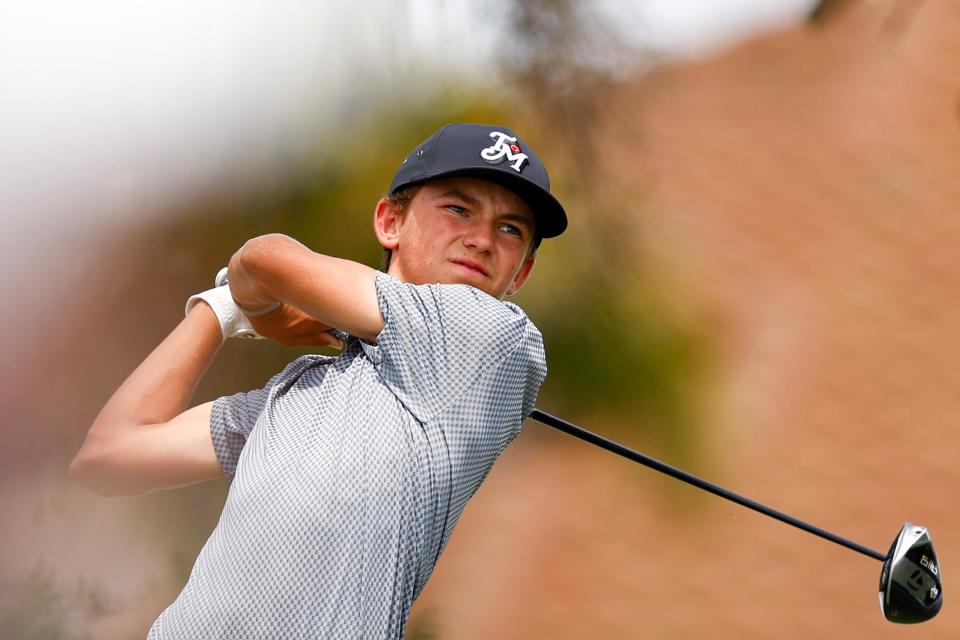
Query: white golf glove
[234,322]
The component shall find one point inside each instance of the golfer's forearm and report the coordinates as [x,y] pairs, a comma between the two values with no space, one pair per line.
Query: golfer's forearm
[276,268]
[161,387]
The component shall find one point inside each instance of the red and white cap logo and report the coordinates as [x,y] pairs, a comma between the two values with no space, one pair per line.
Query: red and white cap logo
[503,148]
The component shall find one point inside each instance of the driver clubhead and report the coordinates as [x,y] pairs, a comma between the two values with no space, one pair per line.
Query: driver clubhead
[910,586]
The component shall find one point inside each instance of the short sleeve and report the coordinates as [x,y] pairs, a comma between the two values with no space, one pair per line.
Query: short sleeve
[439,339]
[233,417]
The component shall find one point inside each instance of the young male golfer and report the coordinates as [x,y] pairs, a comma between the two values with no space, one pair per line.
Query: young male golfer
[349,472]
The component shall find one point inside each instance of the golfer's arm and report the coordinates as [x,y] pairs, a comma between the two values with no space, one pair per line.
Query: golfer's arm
[277,268]
[144,438]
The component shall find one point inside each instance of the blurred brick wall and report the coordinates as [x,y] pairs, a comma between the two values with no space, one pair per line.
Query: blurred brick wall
[797,197]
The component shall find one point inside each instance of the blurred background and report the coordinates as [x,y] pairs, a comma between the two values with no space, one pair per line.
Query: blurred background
[759,285]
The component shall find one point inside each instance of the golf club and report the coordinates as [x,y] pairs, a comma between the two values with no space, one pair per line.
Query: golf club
[910,584]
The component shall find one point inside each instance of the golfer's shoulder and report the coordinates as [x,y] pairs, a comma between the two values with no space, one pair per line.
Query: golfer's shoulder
[498,325]
[453,318]
[495,332]
[529,351]
[480,312]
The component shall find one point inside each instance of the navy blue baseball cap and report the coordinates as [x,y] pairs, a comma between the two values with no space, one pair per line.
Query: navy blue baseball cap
[488,152]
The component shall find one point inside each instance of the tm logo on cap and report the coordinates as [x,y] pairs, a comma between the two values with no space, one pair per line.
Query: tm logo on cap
[504,148]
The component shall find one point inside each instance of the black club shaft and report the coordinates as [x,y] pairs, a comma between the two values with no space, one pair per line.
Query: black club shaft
[653,463]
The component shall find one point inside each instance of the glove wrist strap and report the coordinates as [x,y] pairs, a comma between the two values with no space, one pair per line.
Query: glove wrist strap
[233,322]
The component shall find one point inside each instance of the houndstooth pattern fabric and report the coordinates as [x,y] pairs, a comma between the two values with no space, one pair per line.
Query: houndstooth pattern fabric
[349,473]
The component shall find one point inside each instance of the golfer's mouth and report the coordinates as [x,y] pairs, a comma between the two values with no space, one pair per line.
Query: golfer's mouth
[470,266]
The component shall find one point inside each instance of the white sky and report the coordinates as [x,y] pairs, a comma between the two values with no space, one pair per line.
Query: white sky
[687,27]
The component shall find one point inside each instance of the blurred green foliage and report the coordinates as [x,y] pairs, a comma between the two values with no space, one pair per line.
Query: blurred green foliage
[615,352]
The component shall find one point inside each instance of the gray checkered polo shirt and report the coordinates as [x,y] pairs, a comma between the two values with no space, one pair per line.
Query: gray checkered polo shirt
[350,472]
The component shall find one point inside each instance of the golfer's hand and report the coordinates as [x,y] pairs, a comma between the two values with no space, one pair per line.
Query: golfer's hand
[291,327]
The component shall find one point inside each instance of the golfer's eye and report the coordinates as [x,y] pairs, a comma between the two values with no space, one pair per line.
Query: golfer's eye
[512,230]
[457,209]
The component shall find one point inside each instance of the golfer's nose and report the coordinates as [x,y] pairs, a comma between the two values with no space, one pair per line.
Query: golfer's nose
[479,236]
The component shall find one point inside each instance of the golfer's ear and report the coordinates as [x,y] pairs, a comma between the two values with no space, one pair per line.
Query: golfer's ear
[386,224]
[523,273]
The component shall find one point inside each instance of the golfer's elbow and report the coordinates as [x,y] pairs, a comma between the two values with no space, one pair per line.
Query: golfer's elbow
[96,471]
[257,255]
